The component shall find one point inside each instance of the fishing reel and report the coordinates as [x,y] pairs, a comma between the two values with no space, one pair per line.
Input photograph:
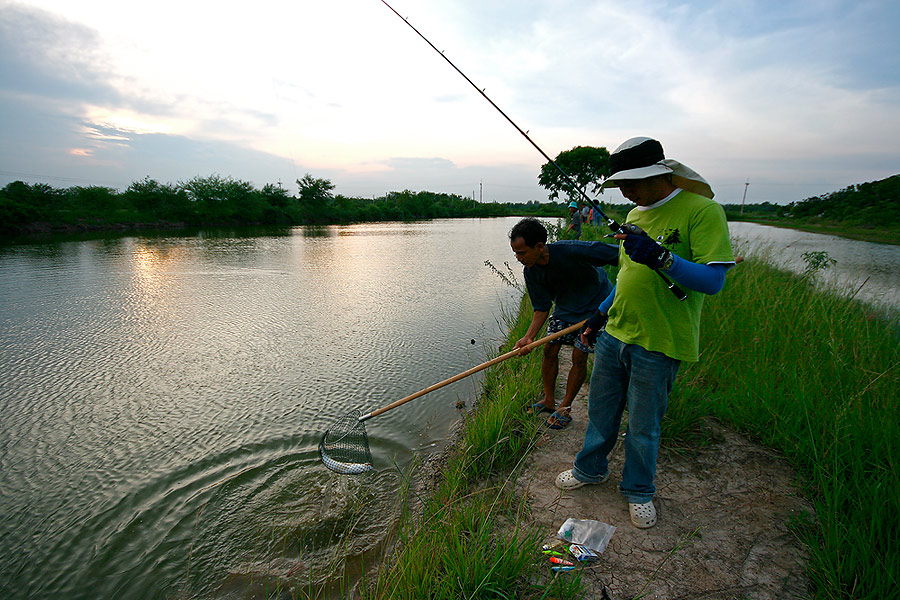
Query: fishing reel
[666,257]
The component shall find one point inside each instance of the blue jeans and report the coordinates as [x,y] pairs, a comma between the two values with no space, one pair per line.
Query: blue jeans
[626,376]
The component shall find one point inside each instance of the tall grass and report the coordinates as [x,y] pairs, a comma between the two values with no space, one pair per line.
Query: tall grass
[816,375]
[465,538]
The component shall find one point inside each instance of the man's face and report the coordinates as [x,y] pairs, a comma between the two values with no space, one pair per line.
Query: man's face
[637,190]
[645,192]
[525,254]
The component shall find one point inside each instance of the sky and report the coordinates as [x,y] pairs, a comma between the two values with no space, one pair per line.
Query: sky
[771,101]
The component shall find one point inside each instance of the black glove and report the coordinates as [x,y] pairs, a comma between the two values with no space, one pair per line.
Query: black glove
[595,323]
[642,249]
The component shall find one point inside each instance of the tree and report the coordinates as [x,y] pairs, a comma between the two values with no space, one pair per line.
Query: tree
[158,201]
[21,204]
[315,194]
[276,195]
[94,200]
[220,199]
[586,165]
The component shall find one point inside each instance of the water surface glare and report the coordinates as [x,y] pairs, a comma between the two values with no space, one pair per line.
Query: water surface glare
[163,397]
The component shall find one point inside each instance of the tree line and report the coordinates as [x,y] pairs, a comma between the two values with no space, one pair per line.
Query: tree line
[224,201]
[218,201]
[864,204]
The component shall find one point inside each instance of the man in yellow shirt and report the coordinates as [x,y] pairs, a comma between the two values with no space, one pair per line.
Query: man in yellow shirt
[648,330]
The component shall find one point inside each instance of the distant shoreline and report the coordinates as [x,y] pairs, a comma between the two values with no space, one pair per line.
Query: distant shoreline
[874,234]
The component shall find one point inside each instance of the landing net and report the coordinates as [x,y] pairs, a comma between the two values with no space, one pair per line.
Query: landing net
[345,446]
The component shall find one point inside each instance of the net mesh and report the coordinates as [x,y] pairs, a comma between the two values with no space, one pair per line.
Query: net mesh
[345,446]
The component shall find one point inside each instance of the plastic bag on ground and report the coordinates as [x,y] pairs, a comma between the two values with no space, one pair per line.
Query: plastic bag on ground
[593,534]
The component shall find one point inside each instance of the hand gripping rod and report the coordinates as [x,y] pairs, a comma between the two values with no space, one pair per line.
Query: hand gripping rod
[611,223]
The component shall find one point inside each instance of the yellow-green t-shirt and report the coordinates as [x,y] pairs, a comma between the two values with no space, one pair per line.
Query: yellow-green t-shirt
[646,312]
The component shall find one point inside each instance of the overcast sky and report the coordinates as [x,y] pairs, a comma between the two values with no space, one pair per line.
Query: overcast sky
[799,98]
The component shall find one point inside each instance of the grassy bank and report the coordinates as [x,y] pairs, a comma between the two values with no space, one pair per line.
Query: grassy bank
[811,374]
[816,376]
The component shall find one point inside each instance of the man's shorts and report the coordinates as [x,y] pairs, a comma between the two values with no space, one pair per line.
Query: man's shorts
[570,339]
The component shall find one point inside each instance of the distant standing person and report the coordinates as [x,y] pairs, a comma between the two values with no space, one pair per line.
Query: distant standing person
[569,274]
[648,331]
[574,219]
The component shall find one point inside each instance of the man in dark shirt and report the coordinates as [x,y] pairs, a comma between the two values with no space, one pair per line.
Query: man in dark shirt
[569,274]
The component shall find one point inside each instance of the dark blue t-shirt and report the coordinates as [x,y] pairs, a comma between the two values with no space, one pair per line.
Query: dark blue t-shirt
[572,279]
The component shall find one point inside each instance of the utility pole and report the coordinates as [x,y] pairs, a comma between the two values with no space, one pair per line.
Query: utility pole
[746,185]
[480,191]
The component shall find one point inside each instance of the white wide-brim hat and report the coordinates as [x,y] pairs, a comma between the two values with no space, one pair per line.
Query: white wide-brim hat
[643,157]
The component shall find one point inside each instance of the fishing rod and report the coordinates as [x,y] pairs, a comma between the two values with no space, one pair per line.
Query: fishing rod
[625,228]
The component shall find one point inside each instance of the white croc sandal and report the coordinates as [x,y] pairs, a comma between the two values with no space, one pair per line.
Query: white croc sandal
[643,515]
[567,481]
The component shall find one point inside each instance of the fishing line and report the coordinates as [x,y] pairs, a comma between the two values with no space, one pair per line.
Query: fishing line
[610,222]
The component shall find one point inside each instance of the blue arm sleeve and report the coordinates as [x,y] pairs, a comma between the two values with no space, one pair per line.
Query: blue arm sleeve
[604,306]
[707,279]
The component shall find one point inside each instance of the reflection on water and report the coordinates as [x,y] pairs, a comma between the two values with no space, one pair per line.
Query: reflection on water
[163,398]
[872,269]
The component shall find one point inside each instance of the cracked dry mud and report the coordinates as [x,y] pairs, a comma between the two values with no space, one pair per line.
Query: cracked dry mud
[726,508]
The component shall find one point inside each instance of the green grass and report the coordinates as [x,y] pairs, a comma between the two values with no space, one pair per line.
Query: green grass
[816,376]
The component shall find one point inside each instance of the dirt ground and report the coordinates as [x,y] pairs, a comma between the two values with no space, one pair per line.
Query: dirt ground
[723,514]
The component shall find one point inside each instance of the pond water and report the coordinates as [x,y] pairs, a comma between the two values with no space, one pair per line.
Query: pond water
[163,398]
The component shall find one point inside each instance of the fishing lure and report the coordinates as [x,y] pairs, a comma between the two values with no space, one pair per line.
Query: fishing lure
[562,569]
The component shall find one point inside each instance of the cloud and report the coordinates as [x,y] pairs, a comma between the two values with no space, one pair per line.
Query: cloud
[46,56]
[65,150]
